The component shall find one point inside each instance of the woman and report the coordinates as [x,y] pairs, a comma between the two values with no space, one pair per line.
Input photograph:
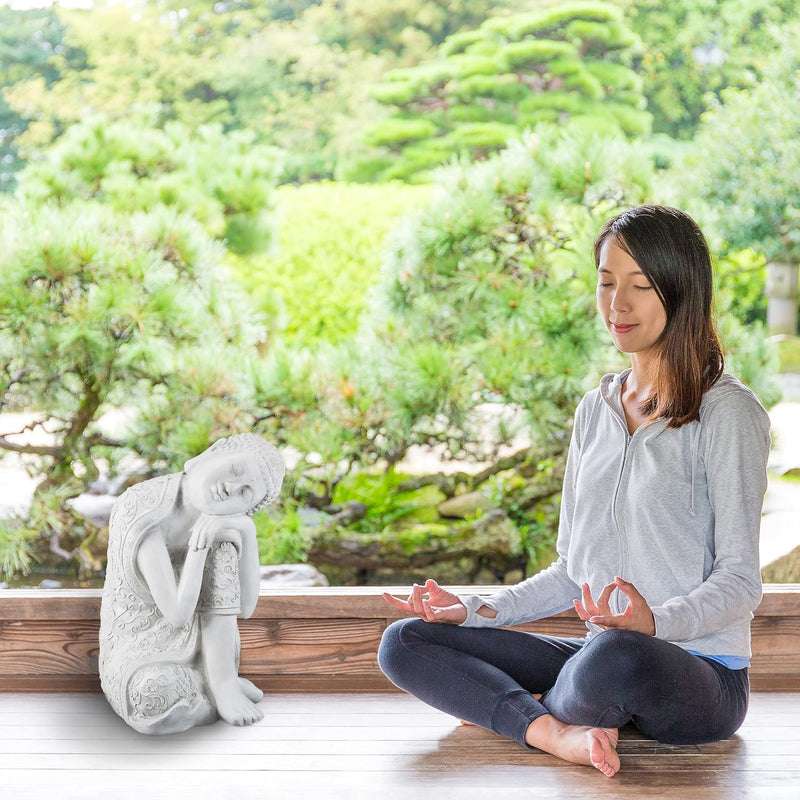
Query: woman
[182,566]
[657,543]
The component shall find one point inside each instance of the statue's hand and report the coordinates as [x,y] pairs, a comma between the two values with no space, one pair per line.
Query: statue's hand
[210,530]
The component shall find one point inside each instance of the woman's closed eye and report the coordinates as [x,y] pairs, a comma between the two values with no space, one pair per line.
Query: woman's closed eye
[635,286]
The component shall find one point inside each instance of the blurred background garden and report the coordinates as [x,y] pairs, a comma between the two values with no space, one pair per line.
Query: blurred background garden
[363,230]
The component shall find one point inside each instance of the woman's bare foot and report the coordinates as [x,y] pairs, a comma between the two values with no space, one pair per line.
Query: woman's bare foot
[603,750]
[251,691]
[580,744]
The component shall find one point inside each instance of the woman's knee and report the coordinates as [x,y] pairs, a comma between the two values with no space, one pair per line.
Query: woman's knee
[395,650]
[621,658]
[627,648]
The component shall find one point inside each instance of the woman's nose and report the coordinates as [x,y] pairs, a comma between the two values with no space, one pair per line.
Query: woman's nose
[620,302]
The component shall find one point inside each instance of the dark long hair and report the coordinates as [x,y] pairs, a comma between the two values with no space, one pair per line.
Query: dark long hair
[672,252]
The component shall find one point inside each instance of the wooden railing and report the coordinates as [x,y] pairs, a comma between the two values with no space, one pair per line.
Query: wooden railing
[321,640]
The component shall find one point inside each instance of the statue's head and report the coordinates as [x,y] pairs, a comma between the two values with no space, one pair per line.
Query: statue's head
[240,474]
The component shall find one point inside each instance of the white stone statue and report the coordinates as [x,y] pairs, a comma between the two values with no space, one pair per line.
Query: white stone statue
[182,566]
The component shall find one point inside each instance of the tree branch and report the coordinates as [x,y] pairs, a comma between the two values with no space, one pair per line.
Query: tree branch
[37,450]
[448,484]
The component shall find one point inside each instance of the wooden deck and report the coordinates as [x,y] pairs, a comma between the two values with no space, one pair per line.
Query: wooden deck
[376,746]
[334,729]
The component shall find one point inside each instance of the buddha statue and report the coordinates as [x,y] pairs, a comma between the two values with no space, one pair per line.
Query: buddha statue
[182,567]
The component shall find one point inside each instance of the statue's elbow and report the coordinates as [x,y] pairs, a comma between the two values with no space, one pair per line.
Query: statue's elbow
[248,609]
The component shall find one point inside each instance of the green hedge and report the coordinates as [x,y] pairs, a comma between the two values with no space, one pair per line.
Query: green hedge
[331,244]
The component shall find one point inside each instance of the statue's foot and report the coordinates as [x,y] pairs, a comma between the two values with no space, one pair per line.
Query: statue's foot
[234,706]
[251,691]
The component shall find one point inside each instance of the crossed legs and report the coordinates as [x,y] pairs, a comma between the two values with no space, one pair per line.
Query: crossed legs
[490,676]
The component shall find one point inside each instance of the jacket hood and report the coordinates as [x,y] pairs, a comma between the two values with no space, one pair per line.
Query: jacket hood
[611,384]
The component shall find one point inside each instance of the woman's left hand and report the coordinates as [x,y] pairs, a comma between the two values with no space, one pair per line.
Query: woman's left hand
[636,617]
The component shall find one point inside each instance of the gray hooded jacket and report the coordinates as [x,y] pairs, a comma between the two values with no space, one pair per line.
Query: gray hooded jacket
[676,512]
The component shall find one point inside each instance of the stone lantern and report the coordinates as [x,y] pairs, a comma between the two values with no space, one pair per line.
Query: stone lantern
[782,298]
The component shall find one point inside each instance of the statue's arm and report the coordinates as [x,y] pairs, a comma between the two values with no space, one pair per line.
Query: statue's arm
[177,601]
[249,568]
[241,530]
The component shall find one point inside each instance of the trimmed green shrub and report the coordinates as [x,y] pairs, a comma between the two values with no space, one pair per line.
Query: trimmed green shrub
[331,241]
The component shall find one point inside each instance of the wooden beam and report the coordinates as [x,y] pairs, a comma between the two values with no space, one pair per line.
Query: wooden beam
[316,639]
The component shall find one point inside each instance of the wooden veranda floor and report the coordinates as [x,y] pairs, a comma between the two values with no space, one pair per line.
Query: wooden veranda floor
[381,746]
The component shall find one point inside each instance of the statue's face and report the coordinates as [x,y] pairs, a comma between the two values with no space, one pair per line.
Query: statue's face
[222,484]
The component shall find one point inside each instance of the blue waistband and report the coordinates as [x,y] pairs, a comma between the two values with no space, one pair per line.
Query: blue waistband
[731,662]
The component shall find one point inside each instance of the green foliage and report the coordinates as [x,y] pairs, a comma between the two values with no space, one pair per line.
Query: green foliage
[483,326]
[742,277]
[692,51]
[528,53]
[306,97]
[388,506]
[239,65]
[402,130]
[485,303]
[282,538]
[331,239]
[409,29]
[788,350]
[745,163]
[511,66]
[224,180]
[294,73]
[102,311]
[750,356]
[28,41]
[16,555]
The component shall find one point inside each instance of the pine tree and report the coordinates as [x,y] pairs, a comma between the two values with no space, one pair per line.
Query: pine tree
[102,311]
[487,85]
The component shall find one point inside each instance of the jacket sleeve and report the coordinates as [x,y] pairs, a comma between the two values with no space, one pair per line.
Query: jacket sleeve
[735,451]
[551,590]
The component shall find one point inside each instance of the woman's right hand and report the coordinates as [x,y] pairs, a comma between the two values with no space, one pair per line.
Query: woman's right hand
[439,605]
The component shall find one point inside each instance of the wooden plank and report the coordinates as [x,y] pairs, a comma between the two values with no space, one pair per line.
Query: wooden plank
[768,753]
[320,639]
[40,647]
[323,601]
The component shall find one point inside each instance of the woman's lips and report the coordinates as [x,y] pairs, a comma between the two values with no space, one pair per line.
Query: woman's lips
[622,328]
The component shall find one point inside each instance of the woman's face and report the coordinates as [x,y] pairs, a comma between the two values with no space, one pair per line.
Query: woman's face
[628,303]
[222,484]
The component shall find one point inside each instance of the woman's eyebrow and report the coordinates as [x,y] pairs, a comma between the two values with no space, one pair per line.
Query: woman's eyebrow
[632,272]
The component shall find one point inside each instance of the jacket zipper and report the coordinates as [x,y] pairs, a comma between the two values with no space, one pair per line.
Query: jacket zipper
[621,539]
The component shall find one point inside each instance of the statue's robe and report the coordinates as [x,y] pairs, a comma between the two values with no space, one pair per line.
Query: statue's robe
[150,671]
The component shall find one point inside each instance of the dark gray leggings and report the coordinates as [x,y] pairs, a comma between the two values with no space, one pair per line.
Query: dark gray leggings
[487,676]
